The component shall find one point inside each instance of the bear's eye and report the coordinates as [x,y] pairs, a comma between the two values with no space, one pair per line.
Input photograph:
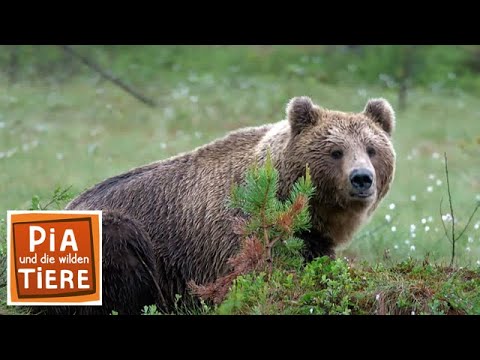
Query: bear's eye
[371,151]
[337,154]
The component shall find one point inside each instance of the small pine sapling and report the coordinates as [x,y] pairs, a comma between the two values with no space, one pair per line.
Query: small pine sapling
[266,222]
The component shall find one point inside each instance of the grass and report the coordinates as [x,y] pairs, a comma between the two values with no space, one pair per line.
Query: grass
[81,131]
[326,287]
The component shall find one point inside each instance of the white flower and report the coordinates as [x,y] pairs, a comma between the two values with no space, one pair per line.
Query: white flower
[41,127]
[413,312]
[395,246]
[362,92]
[377,297]
[412,248]
[436,229]
[476,226]
[431,176]
[430,188]
[447,218]
[394,228]
[412,227]
[413,235]
[352,67]
[388,217]
[435,155]
[413,198]
[59,156]
[477,197]
[470,239]
[407,241]
[10,152]
[478,262]
[409,157]
[311,310]
[392,206]
[430,219]
[424,221]
[438,182]
[468,248]
[91,148]
[427,228]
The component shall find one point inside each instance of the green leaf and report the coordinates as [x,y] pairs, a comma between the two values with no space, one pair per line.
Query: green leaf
[35,205]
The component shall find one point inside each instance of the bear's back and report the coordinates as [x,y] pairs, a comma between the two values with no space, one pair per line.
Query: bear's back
[182,202]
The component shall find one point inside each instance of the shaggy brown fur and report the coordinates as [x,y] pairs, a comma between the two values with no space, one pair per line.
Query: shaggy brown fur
[130,270]
[178,206]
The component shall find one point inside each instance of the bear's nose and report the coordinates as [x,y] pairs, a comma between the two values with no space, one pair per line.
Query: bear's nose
[361,179]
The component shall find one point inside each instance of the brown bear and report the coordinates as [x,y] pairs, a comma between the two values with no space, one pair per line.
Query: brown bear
[168,222]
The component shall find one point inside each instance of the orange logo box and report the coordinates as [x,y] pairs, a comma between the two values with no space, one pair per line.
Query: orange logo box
[54,257]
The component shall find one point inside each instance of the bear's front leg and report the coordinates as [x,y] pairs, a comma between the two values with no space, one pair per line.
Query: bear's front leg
[317,245]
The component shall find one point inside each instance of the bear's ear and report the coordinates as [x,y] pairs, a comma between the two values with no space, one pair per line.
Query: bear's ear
[380,111]
[302,113]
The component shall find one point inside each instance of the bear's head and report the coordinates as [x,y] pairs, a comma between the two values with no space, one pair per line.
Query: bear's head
[350,155]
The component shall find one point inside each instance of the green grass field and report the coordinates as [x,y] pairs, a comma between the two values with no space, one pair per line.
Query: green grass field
[79,132]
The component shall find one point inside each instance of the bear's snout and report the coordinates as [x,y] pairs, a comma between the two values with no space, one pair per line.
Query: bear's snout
[361,180]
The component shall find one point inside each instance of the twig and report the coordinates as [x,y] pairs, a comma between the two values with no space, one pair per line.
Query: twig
[108,76]
[451,210]
[443,222]
[469,220]
[268,245]
[454,238]
[55,197]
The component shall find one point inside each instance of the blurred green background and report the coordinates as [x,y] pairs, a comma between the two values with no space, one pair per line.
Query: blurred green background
[63,124]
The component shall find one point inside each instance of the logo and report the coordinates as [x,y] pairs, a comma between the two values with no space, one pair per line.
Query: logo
[54,257]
